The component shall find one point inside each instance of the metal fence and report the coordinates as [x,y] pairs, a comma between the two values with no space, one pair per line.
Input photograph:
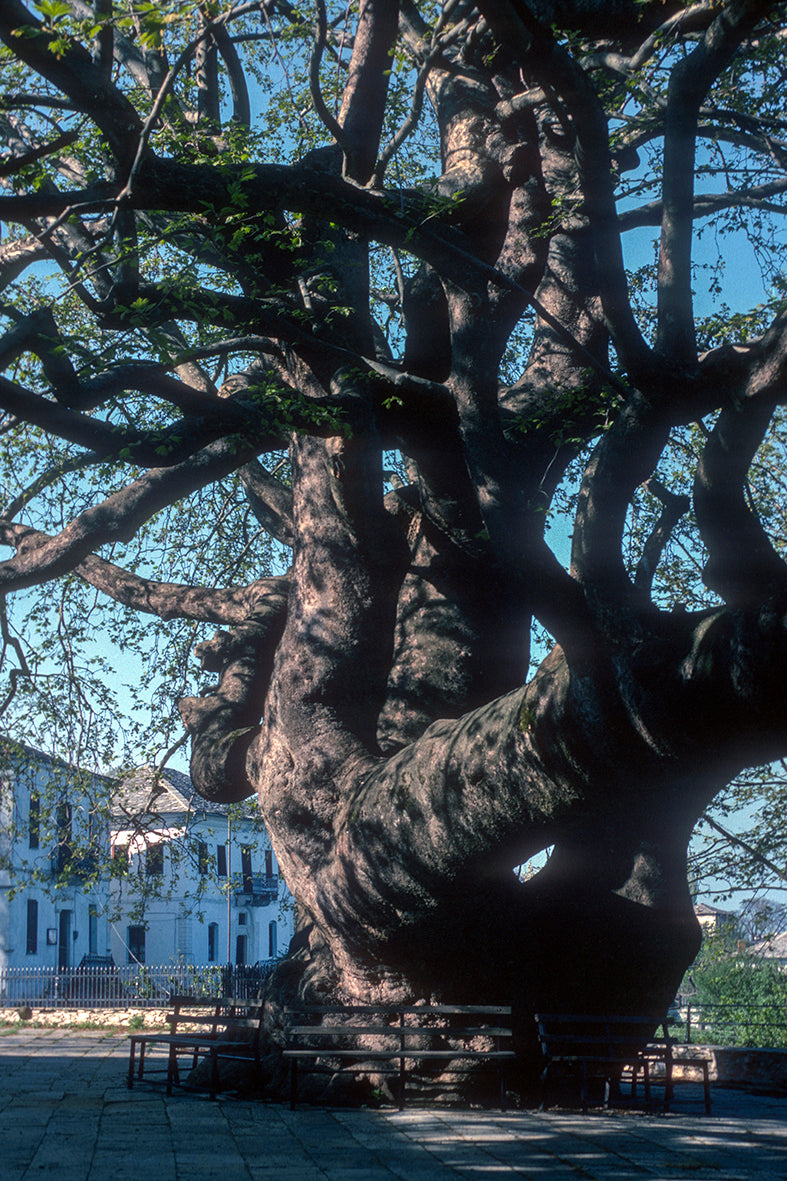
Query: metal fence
[127,985]
[730,1025]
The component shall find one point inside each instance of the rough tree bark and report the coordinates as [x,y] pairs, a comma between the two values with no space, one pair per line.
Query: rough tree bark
[376,698]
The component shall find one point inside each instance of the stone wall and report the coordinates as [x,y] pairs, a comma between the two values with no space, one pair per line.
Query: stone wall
[741,1066]
[63,1018]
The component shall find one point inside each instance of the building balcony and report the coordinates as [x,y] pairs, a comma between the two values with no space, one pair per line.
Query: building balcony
[255,890]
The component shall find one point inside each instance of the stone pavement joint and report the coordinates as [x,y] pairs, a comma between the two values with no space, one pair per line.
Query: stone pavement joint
[65,1111]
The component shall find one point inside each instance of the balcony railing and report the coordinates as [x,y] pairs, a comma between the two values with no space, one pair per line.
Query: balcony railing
[255,889]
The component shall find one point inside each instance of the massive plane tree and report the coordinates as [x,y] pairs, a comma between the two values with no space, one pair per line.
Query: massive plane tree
[386,270]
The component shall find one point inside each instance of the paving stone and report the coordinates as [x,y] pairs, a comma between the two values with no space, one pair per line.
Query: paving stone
[65,1111]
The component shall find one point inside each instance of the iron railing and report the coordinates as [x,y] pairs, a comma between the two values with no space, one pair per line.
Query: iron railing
[762,1026]
[127,985]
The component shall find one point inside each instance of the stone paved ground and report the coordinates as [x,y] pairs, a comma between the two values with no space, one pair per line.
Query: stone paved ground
[65,1113]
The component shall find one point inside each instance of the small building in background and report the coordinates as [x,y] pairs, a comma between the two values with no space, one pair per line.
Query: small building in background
[715,921]
[193,881]
[54,852]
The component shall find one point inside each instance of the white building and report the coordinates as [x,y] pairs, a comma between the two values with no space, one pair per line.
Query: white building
[194,881]
[715,921]
[54,843]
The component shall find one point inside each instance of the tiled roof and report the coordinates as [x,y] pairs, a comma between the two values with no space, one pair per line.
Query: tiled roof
[773,948]
[145,791]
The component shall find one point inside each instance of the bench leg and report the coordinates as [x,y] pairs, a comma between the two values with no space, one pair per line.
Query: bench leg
[401,1084]
[293,1083]
[706,1085]
[668,1086]
[583,1085]
[172,1069]
[214,1072]
[544,1074]
[130,1082]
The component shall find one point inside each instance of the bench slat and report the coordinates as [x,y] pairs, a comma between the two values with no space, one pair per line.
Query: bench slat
[362,1055]
[394,1023]
[397,1031]
[417,1010]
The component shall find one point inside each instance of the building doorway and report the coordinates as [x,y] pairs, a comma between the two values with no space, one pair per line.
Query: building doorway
[64,940]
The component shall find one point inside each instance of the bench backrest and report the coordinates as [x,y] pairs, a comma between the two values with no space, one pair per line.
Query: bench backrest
[399,1022]
[597,1035]
[215,1015]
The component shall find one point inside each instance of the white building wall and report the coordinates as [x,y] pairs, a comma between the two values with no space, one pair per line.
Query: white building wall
[60,930]
[196,918]
[195,912]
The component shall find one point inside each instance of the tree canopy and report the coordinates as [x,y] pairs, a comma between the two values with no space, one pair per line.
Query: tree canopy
[321,323]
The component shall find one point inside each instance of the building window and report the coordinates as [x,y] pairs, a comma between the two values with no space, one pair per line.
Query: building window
[245,862]
[154,861]
[92,929]
[136,945]
[203,864]
[64,836]
[213,942]
[242,919]
[34,821]
[273,940]
[269,863]
[183,938]
[240,949]
[64,940]
[32,926]
[221,861]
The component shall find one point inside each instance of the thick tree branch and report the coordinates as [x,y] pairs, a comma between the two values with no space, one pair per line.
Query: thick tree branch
[270,501]
[206,73]
[224,723]
[119,516]
[159,448]
[689,83]
[74,73]
[241,103]
[16,257]
[706,204]
[366,88]
[674,507]
[514,25]
[625,457]
[167,600]
[742,566]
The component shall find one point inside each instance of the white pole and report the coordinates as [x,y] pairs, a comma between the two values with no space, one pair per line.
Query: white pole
[229,887]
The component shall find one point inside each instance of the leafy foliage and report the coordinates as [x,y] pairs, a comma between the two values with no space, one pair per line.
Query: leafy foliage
[738,995]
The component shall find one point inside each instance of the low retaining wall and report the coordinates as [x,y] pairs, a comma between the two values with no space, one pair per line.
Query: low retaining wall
[740,1065]
[62,1018]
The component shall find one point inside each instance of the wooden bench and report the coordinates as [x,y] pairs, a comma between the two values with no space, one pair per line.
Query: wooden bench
[201,1027]
[339,1036]
[605,1047]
